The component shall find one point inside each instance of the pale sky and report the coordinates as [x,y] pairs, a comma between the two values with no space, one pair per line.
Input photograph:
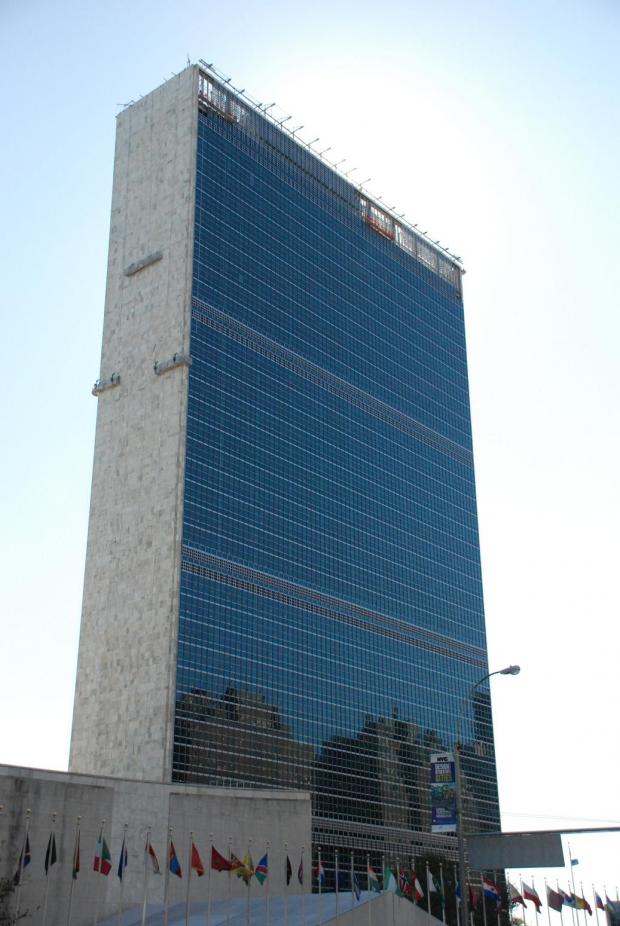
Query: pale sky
[494,125]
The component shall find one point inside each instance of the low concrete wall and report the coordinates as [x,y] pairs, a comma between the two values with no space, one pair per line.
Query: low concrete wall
[235,817]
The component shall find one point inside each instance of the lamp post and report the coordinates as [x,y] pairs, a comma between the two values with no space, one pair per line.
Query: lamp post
[460,832]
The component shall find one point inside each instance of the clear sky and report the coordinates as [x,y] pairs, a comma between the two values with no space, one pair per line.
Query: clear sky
[494,125]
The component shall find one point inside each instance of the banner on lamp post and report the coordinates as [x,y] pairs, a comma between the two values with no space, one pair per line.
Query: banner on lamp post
[443,793]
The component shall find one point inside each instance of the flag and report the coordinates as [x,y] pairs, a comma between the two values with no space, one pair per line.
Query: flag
[491,891]
[50,853]
[473,898]
[300,871]
[320,874]
[373,880]
[150,854]
[24,859]
[76,856]
[582,904]
[356,887]
[218,862]
[173,862]
[404,886]
[389,881]
[236,865]
[574,861]
[262,869]
[568,900]
[554,900]
[246,870]
[103,860]
[196,862]
[289,871]
[417,887]
[434,887]
[599,903]
[530,894]
[514,896]
[122,862]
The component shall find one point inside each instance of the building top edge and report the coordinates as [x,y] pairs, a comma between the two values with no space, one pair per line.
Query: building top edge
[401,227]
[25,771]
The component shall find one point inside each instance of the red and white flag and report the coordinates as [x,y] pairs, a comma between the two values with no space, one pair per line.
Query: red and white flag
[150,854]
[530,894]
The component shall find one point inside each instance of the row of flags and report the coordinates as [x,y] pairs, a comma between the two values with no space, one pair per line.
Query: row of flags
[400,880]
[102,860]
[558,899]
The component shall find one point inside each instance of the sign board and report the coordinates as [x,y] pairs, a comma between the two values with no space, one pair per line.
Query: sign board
[515,850]
[443,793]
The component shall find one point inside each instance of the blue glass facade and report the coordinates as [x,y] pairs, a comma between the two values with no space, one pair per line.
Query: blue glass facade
[331,613]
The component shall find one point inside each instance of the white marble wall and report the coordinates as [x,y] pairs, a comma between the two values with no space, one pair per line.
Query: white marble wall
[274,817]
[124,700]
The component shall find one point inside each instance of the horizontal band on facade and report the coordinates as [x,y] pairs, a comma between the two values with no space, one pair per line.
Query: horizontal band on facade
[259,583]
[297,364]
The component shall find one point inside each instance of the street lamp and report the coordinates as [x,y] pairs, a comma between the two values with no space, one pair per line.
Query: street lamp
[509,670]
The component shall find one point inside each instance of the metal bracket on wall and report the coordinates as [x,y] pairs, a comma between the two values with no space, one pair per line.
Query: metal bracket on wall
[144,262]
[102,384]
[177,360]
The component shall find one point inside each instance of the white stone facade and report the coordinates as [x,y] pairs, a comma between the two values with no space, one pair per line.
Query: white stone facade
[235,818]
[124,699]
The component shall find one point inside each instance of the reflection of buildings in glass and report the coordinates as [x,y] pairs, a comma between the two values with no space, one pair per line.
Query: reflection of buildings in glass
[478,762]
[238,738]
[283,504]
[388,761]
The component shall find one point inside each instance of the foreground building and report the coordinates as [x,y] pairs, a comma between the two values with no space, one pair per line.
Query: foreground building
[283,583]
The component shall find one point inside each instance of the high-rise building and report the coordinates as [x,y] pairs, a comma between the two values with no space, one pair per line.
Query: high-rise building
[283,583]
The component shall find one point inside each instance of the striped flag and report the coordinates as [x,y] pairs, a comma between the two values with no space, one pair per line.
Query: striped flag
[151,856]
[173,862]
[262,869]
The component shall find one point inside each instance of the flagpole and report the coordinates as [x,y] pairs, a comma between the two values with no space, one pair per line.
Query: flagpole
[286,882]
[98,893]
[146,874]
[248,885]
[121,868]
[228,902]
[428,893]
[21,865]
[368,888]
[318,872]
[76,851]
[535,905]
[595,905]
[548,907]
[484,901]
[268,898]
[337,877]
[443,894]
[303,887]
[352,877]
[572,875]
[167,875]
[209,880]
[51,843]
[584,897]
[189,876]
[456,898]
